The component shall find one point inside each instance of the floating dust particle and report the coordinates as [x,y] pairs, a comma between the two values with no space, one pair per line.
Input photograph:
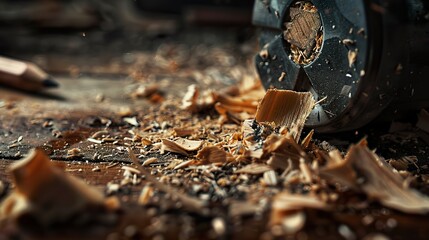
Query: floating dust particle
[352,55]
[285,108]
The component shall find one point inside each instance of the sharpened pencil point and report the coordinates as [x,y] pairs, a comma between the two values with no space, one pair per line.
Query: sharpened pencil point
[50,83]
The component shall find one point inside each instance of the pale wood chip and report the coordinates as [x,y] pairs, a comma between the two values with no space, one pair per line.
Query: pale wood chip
[270,178]
[181,145]
[254,168]
[189,203]
[285,108]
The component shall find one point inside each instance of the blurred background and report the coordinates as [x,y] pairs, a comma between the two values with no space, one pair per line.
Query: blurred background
[110,37]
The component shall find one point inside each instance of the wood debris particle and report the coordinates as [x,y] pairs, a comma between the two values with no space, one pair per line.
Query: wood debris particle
[189,203]
[213,154]
[305,143]
[146,91]
[364,171]
[74,152]
[145,195]
[149,161]
[37,182]
[219,226]
[303,27]
[270,178]
[131,169]
[254,168]
[285,108]
[287,210]
[282,76]
[131,120]
[190,100]
[181,145]
[96,169]
[352,55]
[264,53]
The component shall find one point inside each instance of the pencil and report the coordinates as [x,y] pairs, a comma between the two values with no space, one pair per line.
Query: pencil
[24,75]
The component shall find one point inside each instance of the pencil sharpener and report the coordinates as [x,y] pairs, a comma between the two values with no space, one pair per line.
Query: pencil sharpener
[360,59]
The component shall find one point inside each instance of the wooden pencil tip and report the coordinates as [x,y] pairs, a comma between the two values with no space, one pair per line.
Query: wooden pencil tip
[50,83]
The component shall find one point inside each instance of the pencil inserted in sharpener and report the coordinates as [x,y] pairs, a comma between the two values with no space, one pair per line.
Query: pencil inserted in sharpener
[360,59]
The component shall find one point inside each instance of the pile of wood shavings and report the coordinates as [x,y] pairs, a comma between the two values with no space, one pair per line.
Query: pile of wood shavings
[210,155]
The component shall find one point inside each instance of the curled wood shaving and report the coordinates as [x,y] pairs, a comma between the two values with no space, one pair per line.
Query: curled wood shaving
[214,154]
[285,108]
[364,171]
[38,183]
[181,145]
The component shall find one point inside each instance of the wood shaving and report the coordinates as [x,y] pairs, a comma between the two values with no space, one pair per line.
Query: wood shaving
[213,154]
[352,55]
[181,145]
[189,203]
[285,108]
[37,182]
[363,170]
